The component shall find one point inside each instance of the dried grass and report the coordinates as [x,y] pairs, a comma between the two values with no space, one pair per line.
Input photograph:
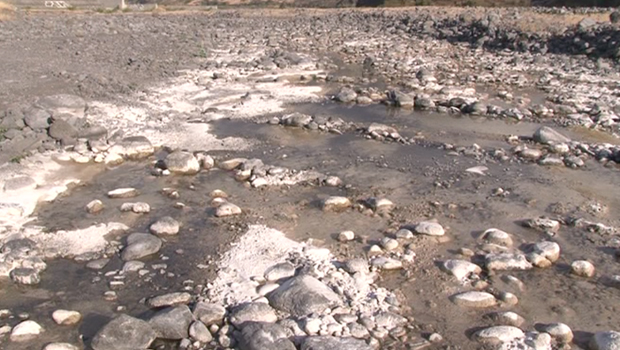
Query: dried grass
[7,11]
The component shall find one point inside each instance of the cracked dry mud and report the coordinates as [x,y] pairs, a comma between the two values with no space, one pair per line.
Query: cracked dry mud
[310,179]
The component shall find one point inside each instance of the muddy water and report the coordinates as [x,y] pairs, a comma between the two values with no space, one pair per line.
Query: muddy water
[406,174]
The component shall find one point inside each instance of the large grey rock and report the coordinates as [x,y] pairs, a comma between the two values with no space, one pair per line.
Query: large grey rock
[182,162]
[124,333]
[209,313]
[548,136]
[334,343]
[261,335]
[172,323]
[62,131]
[252,312]
[609,340]
[303,295]
[37,118]
[140,245]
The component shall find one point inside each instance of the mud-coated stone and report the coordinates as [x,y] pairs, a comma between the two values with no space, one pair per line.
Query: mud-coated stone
[172,323]
[296,120]
[124,333]
[227,209]
[303,295]
[252,312]
[334,343]
[262,335]
[140,245]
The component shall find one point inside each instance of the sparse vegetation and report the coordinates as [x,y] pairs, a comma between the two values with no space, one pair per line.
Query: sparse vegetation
[2,132]
[18,158]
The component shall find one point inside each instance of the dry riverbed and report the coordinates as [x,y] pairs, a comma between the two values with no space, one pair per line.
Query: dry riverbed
[304,179]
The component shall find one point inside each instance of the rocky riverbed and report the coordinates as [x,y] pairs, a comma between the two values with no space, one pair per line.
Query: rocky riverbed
[433,178]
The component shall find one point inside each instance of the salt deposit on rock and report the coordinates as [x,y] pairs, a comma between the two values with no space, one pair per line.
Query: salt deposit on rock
[72,243]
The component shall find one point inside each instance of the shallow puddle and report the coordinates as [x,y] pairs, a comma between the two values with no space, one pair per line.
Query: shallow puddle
[406,174]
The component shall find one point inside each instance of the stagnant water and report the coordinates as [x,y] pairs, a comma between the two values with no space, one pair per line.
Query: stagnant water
[406,174]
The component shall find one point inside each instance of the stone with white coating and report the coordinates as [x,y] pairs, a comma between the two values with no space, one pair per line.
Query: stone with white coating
[94,207]
[280,271]
[346,236]
[560,332]
[461,268]
[609,340]
[26,330]
[227,209]
[544,254]
[497,236]
[386,263]
[498,334]
[336,203]
[582,268]
[165,226]
[66,317]
[137,207]
[123,193]
[429,228]
[506,318]
[474,299]
[60,346]
[507,261]
[169,299]
[389,244]
[181,162]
